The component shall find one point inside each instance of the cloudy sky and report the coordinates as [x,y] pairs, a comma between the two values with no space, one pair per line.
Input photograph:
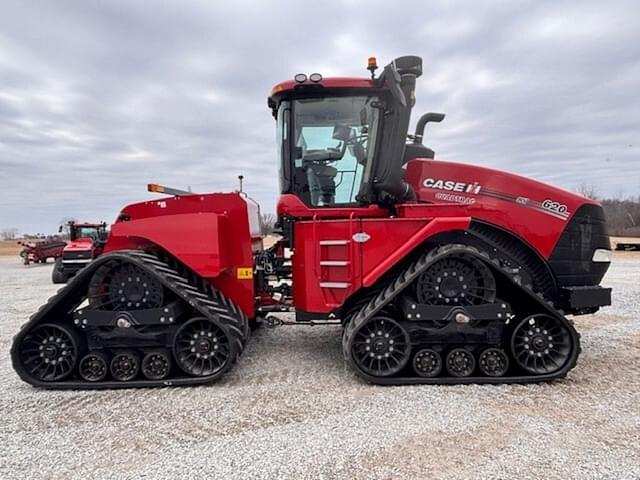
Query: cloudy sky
[97,99]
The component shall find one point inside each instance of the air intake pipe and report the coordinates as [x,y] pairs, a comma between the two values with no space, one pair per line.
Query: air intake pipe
[422,123]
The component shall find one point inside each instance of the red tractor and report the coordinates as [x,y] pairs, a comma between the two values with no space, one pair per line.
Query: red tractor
[438,272]
[87,241]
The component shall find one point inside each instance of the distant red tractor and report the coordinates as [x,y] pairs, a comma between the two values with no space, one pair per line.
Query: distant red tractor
[438,272]
[86,242]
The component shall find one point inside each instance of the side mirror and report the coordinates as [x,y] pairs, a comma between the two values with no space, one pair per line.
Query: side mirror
[60,229]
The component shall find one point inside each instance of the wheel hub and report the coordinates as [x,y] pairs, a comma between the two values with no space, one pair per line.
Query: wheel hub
[93,367]
[494,362]
[460,362]
[381,346]
[124,364]
[54,349]
[50,351]
[426,363]
[133,292]
[539,343]
[203,346]
[451,287]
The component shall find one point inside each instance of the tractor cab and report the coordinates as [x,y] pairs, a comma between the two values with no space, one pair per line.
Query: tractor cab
[94,231]
[343,141]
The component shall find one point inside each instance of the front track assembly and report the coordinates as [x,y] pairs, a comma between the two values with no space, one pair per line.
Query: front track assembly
[443,320]
[131,319]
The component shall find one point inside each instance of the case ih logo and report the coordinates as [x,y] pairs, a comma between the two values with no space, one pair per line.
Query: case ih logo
[452,186]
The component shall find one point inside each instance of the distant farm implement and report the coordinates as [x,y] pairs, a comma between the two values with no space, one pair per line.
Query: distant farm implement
[41,251]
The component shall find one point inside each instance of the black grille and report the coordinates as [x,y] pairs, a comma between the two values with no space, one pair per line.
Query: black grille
[81,254]
[571,259]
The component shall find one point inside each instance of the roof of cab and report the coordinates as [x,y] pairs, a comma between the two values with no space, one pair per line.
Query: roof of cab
[331,82]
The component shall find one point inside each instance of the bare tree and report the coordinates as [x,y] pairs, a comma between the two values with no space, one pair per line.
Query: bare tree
[588,190]
[623,216]
[9,233]
[268,222]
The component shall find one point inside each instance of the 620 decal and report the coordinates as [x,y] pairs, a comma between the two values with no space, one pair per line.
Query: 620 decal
[556,207]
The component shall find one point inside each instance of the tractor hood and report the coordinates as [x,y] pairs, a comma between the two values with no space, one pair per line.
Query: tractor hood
[539,212]
[79,244]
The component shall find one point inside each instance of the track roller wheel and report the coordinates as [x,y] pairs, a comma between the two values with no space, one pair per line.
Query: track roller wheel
[493,362]
[49,352]
[427,363]
[541,344]
[460,362]
[381,347]
[93,367]
[125,365]
[156,365]
[202,347]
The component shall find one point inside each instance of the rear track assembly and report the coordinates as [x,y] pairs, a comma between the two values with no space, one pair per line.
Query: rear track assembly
[98,332]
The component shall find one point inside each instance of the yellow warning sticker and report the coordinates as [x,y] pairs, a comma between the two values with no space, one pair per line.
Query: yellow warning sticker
[245,273]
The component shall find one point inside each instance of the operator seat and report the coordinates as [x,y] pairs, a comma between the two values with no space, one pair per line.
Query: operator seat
[322,186]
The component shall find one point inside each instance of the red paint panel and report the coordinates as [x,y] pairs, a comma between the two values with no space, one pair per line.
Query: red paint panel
[534,211]
[209,233]
[329,242]
[194,238]
[393,239]
[291,205]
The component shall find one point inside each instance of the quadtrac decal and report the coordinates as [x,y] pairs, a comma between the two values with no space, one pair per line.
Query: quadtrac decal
[548,206]
[456,188]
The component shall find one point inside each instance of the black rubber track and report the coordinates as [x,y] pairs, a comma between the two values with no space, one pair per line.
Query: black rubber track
[186,285]
[407,276]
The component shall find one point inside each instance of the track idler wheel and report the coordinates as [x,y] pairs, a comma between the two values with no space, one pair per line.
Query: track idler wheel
[156,365]
[541,344]
[94,367]
[125,365]
[493,362]
[381,347]
[202,347]
[49,352]
[427,363]
[460,362]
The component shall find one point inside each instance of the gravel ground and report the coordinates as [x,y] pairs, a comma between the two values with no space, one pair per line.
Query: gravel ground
[292,409]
